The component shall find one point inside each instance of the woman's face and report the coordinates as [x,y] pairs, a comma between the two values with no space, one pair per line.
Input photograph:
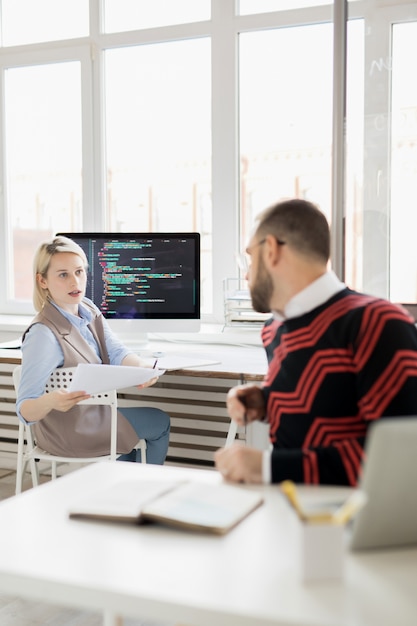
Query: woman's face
[65,280]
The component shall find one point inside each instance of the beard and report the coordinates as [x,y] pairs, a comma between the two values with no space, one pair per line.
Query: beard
[261,290]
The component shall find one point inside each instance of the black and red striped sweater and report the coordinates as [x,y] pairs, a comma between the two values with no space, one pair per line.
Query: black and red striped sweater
[332,372]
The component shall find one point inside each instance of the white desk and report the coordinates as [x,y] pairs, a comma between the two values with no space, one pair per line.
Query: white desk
[195,398]
[246,578]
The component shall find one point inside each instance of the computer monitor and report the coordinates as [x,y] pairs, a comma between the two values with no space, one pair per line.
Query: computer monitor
[144,282]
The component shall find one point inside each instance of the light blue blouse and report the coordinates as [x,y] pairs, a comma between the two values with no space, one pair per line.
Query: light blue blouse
[41,352]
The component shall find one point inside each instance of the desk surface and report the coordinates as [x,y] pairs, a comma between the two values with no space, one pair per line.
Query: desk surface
[244,578]
[235,362]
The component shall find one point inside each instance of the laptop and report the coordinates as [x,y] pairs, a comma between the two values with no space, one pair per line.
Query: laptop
[389,479]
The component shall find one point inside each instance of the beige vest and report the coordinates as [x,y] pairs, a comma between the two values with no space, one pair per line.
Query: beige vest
[83,430]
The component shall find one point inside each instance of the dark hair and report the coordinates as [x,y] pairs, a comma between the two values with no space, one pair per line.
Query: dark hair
[300,224]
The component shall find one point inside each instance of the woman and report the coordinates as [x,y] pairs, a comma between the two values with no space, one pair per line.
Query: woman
[69,329]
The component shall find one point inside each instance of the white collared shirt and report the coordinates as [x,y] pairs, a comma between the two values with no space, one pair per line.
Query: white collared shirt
[311,297]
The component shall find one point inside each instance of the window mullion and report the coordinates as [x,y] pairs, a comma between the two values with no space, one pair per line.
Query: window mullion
[225,172]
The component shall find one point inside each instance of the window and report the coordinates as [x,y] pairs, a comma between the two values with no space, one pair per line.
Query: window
[265,6]
[285,133]
[158,122]
[123,15]
[403,217]
[379,221]
[43,20]
[196,114]
[43,142]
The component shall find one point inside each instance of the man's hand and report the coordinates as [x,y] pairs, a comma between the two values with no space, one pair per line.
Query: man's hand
[239,463]
[245,404]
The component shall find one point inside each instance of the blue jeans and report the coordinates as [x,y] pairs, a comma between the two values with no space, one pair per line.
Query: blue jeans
[150,424]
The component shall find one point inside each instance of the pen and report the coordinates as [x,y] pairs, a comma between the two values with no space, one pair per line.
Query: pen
[351,506]
[154,365]
[341,516]
[245,404]
[243,401]
[289,489]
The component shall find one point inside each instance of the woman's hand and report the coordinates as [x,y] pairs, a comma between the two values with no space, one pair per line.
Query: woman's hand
[63,401]
[148,383]
[36,409]
[135,361]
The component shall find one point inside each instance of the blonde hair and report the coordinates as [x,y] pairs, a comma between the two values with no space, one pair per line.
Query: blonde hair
[42,262]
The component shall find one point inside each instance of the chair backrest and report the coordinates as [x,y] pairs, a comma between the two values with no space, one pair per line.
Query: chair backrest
[16,377]
[61,378]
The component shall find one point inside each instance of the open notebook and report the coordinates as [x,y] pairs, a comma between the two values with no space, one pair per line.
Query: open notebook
[190,505]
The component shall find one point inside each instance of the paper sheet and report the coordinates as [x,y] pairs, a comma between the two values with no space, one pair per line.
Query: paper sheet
[94,378]
[174,362]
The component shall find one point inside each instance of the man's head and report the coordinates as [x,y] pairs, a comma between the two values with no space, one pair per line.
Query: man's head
[289,249]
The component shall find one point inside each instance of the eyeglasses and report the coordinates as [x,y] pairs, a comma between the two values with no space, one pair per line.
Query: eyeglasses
[243,259]
[249,249]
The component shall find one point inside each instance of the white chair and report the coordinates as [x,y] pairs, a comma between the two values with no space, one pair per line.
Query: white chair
[30,453]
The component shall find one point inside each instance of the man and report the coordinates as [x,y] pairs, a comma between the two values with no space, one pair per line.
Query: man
[337,359]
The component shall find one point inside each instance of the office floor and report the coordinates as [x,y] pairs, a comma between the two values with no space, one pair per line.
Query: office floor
[16,611]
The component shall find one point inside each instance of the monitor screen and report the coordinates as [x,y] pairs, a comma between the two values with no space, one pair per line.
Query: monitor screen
[144,282]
